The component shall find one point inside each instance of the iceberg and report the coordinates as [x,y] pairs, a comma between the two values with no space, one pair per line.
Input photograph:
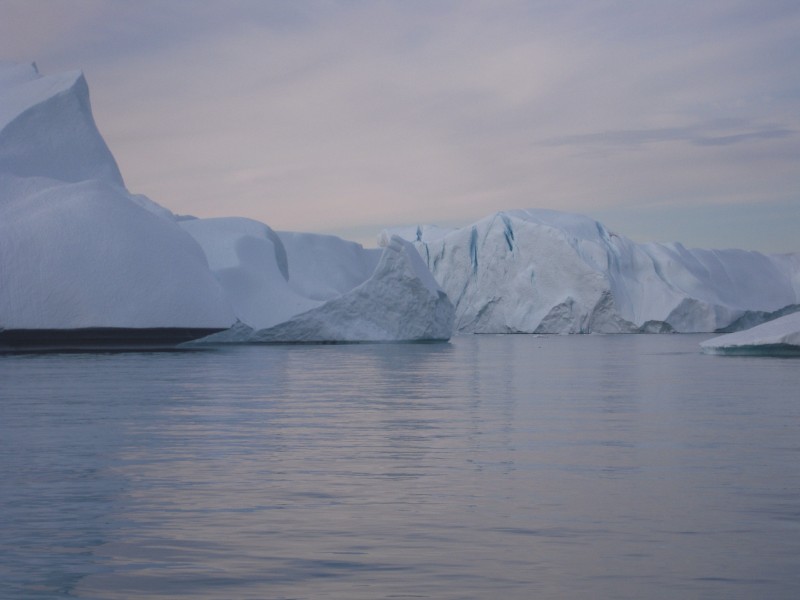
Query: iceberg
[779,337]
[82,260]
[543,271]
[300,287]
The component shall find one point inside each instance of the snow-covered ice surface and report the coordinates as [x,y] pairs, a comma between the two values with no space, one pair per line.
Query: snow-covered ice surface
[323,267]
[77,250]
[249,260]
[542,271]
[780,337]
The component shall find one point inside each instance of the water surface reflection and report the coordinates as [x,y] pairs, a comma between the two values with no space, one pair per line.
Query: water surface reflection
[494,466]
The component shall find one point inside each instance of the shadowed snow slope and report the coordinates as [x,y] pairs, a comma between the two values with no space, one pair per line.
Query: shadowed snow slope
[83,255]
[76,249]
[250,262]
[545,271]
[47,128]
[778,337]
[323,267]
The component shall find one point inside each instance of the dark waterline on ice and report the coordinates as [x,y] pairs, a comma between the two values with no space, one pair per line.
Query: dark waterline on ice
[490,467]
[90,339]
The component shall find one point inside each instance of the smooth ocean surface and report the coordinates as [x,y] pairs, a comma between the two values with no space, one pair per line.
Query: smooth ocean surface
[490,467]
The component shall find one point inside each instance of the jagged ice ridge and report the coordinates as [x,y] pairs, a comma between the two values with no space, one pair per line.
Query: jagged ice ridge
[543,271]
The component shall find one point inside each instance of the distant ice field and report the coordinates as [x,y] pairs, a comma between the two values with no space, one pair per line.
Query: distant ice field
[514,466]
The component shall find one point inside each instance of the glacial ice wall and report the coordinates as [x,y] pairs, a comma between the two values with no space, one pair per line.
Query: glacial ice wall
[542,271]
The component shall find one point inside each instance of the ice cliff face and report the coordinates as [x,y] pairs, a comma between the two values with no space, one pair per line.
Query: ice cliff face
[79,252]
[302,287]
[76,249]
[540,271]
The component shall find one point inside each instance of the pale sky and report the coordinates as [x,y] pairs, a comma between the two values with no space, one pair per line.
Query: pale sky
[668,120]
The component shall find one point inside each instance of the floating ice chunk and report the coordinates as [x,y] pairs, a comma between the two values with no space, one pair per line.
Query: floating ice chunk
[779,337]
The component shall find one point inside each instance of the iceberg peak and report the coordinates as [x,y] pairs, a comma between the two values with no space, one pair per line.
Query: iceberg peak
[47,129]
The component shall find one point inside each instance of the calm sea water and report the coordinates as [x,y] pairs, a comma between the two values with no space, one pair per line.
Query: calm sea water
[491,467]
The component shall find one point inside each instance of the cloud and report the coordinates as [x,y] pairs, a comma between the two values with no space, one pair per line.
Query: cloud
[334,115]
[699,135]
[738,138]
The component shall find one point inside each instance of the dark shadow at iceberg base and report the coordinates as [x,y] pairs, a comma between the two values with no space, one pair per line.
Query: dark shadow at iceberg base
[780,350]
[201,344]
[753,318]
[99,338]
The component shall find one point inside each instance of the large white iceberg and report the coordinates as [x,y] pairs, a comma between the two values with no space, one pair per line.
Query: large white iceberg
[83,261]
[302,287]
[78,252]
[780,337]
[542,271]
